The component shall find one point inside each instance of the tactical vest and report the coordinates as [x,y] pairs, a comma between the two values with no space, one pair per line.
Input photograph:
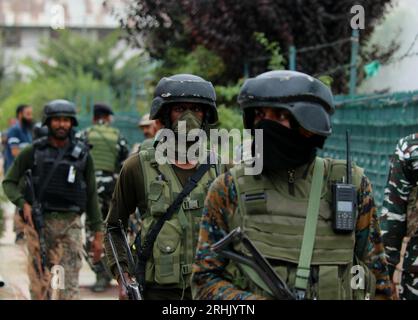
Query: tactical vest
[66,190]
[274,220]
[105,147]
[175,246]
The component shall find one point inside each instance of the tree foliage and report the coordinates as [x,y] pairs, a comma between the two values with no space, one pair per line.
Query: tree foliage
[76,68]
[226,27]
[200,61]
[72,54]
[277,60]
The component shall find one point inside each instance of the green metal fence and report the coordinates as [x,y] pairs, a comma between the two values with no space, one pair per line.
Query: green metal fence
[376,123]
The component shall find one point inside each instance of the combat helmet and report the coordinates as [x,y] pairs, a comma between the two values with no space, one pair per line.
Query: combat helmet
[184,88]
[59,108]
[308,99]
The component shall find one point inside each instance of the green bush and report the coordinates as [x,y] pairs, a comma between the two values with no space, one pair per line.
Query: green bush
[74,54]
[277,60]
[201,62]
[81,88]
[76,68]
[230,118]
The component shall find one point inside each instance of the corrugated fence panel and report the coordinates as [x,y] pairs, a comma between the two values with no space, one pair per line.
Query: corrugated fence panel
[376,123]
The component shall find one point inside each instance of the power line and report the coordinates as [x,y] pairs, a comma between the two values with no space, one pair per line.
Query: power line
[333,70]
[407,54]
[323,45]
[410,47]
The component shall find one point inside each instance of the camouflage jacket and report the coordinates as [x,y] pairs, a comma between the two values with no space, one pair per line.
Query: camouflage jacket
[209,279]
[403,177]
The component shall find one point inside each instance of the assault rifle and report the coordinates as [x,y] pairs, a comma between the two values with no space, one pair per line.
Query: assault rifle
[37,218]
[278,288]
[133,289]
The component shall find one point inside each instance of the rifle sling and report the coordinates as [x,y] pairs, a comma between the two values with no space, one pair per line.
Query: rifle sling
[304,265]
[146,248]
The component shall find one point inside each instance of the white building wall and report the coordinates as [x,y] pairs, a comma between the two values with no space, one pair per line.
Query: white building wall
[33,19]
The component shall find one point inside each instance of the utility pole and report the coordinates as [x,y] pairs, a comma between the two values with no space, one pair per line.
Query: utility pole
[353,63]
[246,70]
[292,58]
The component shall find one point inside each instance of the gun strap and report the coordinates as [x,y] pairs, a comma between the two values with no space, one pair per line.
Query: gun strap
[304,265]
[147,247]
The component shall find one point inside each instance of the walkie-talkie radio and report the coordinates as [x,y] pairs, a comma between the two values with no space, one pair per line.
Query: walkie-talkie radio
[344,200]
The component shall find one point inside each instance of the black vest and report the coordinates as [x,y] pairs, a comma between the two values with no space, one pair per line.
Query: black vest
[67,189]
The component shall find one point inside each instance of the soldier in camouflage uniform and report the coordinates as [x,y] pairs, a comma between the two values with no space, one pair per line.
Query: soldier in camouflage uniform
[399,218]
[152,187]
[109,150]
[65,186]
[293,110]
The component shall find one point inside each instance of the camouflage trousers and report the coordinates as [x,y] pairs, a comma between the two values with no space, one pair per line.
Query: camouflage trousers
[408,289]
[63,240]
[409,286]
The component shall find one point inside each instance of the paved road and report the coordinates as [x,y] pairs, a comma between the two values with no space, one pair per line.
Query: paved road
[13,265]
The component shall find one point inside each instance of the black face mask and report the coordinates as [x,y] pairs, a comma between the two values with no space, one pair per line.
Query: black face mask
[284,148]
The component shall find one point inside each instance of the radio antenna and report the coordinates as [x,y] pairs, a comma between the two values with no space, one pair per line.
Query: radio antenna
[349,178]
